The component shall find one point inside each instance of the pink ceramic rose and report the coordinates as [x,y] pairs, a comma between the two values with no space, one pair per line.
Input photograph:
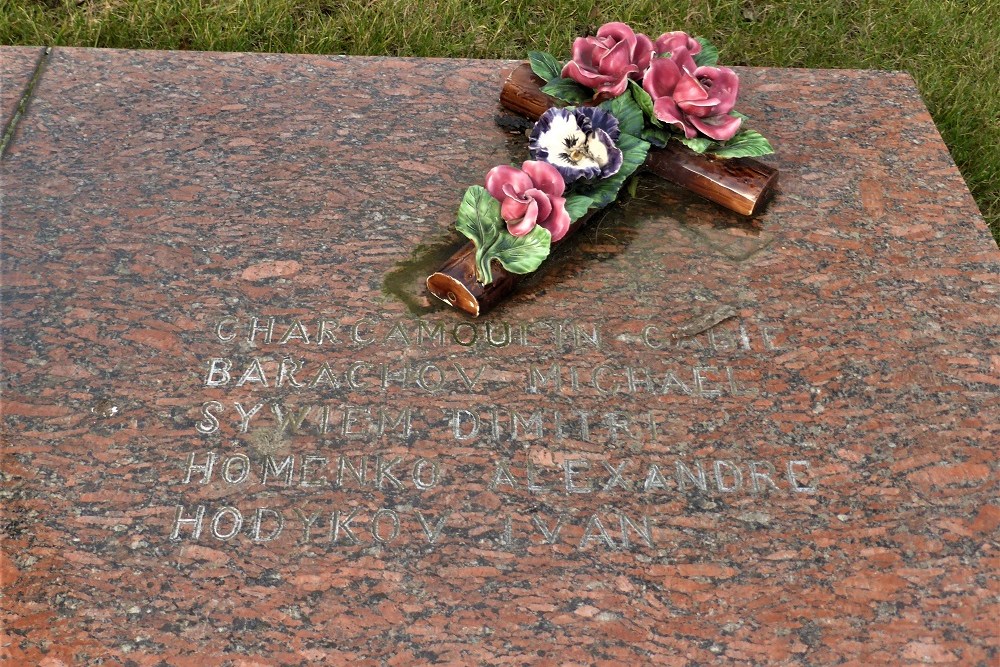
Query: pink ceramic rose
[607,61]
[529,196]
[694,102]
[680,47]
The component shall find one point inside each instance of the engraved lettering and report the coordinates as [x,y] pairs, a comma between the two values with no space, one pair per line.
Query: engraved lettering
[258,523]
[756,477]
[615,479]
[326,332]
[595,531]
[243,469]
[457,420]
[533,484]
[572,468]
[505,341]
[383,472]
[245,415]
[351,415]
[271,467]
[255,328]
[295,332]
[217,521]
[377,522]
[654,479]
[684,475]
[469,383]
[551,535]
[650,339]
[457,336]
[700,381]
[533,425]
[325,375]
[359,473]
[307,523]
[338,524]
[290,420]
[209,423]
[537,378]
[645,531]
[254,374]
[223,324]
[195,522]
[432,532]
[430,377]
[419,478]
[205,469]
[386,423]
[286,372]
[425,333]
[501,475]
[595,380]
[356,334]
[218,372]
[793,477]
[352,375]
[305,474]
[720,476]
[397,331]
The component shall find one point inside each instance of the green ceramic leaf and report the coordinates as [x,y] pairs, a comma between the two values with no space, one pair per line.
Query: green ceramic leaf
[697,144]
[544,65]
[644,101]
[708,56]
[479,221]
[629,115]
[658,136]
[479,217]
[577,206]
[745,144]
[605,191]
[567,90]
[520,254]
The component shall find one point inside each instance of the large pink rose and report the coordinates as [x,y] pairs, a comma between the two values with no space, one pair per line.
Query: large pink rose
[606,62]
[698,101]
[529,196]
[681,48]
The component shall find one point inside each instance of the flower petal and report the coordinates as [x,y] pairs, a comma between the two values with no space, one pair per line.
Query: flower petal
[667,111]
[661,78]
[513,210]
[644,51]
[527,223]
[544,176]
[688,88]
[506,175]
[558,222]
[542,202]
[615,60]
[721,128]
[620,32]
[723,84]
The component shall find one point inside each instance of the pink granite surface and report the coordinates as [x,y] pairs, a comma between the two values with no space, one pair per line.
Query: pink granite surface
[17,64]
[157,202]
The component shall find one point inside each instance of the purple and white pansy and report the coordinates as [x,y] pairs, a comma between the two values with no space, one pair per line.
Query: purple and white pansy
[579,142]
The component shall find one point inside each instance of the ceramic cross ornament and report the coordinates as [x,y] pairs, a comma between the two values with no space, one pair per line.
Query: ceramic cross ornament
[624,102]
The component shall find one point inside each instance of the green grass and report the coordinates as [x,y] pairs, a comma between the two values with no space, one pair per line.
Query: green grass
[951,47]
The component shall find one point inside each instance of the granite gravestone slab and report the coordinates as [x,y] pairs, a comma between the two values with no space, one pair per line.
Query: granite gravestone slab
[16,71]
[238,431]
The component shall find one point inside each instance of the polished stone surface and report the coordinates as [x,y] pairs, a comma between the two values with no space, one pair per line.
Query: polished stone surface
[17,65]
[156,203]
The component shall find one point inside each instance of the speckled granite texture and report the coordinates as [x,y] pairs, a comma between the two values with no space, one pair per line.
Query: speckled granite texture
[155,203]
[17,64]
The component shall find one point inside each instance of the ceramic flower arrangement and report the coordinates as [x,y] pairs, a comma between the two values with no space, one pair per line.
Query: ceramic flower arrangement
[626,93]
